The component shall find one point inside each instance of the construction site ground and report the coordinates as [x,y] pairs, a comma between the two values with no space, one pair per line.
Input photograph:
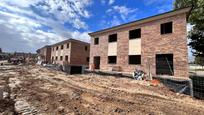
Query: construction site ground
[39,90]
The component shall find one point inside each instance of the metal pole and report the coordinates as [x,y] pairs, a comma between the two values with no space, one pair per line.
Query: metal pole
[169,66]
[191,87]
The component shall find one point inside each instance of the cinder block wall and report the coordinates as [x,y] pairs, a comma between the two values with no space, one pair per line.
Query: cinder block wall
[152,43]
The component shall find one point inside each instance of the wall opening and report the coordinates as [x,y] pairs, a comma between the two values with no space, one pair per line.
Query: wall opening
[133,34]
[164,64]
[112,59]
[66,58]
[67,45]
[76,70]
[96,41]
[61,58]
[134,59]
[87,59]
[166,28]
[97,62]
[112,38]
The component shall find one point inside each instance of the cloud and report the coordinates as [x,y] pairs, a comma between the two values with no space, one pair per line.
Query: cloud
[153,2]
[111,2]
[108,2]
[32,24]
[118,15]
[115,21]
[160,5]
[122,10]
[103,1]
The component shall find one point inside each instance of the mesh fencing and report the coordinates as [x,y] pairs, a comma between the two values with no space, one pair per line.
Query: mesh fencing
[177,85]
[198,86]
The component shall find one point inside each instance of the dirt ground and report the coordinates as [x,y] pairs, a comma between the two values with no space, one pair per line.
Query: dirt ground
[37,90]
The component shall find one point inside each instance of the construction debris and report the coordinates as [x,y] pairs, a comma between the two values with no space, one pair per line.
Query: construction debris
[138,75]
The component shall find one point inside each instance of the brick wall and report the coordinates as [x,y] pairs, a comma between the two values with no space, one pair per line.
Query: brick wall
[60,52]
[76,53]
[152,43]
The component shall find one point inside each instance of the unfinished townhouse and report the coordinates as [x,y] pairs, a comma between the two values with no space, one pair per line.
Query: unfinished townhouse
[71,52]
[44,54]
[157,45]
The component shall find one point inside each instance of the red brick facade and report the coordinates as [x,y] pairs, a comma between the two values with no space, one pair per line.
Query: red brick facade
[152,43]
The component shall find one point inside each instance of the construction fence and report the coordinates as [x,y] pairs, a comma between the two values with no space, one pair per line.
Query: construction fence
[198,86]
[177,85]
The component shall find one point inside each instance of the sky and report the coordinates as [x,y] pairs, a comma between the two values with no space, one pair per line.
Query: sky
[26,25]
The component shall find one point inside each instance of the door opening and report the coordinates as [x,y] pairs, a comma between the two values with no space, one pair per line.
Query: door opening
[164,64]
[97,62]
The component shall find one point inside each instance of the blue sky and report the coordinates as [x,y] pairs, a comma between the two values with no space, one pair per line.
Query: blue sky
[26,25]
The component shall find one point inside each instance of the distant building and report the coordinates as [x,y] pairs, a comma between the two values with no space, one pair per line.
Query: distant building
[0,50]
[71,51]
[23,55]
[44,54]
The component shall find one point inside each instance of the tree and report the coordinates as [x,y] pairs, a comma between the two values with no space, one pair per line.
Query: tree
[196,18]
[197,41]
[0,50]
[197,11]
[199,60]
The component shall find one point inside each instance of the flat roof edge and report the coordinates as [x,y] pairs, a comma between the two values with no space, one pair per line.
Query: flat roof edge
[144,20]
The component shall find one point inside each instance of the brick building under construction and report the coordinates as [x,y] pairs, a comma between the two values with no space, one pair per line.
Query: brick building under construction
[156,45]
[67,52]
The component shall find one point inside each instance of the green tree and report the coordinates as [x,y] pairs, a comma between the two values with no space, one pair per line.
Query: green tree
[196,18]
[197,11]
[196,37]
[199,60]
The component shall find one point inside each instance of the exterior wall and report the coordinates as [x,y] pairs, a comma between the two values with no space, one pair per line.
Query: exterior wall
[48,54]
[61,52]
[76,53]
[152,43]
[45,54]
[175,43]
[100,50]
